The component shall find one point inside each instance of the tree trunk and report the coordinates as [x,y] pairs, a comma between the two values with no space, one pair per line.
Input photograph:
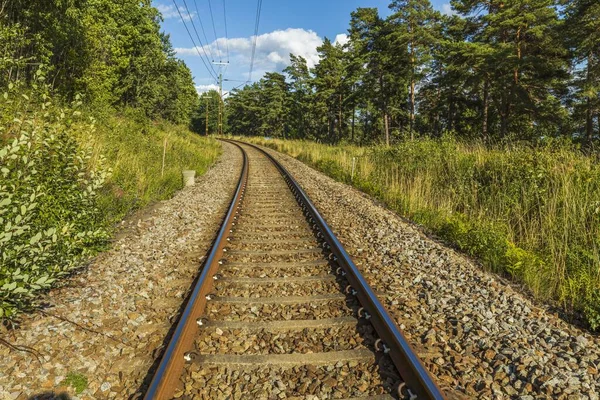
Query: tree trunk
[387,128]
[366,128]
[436,127]
[340,119]
[504,113]
[412,82]
[451,110]
[486,101]
[516,71]
[412,108]
[589,117]
[353,118]
[598,121]
[589,123]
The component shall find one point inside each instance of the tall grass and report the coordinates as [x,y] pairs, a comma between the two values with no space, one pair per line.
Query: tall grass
[133,148]
[529,213]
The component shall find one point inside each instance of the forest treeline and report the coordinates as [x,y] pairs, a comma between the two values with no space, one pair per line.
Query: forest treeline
[111,53]
[498,70]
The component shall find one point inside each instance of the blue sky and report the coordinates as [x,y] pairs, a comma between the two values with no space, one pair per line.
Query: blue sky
[286,26]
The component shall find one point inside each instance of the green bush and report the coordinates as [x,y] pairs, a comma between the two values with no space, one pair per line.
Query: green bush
[48,201]
[59,200]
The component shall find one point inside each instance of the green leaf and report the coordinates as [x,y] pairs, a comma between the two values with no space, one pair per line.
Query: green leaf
[35,239]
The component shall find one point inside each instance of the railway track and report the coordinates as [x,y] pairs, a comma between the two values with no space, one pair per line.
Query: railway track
[280,310]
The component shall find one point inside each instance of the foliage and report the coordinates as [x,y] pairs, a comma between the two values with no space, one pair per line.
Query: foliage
[49,200]
[58,198]
[496,71]
[531,213]
[208,108]
[113,52]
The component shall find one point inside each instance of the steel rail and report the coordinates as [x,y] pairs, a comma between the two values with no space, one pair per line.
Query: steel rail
[166,377]
[408,364]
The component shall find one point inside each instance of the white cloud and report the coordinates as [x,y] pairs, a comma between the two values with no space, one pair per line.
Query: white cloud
[341,39]
[447,9]
[169,11]
[206,88]
[272,49]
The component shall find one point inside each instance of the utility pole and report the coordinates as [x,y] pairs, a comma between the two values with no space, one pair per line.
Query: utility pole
[220,64]
[207,96]
[220,104]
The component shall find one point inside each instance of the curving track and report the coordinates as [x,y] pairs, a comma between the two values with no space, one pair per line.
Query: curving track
[280,311]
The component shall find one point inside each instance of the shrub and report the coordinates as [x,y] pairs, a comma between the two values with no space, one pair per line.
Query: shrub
[48,200]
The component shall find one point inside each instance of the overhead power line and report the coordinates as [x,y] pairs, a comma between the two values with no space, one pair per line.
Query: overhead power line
[203,31]
[194,43]
[198,36]
[226,35]
[256,24]
[214,28]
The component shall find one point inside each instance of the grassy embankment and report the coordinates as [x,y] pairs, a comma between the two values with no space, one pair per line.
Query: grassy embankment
[65,181]
[134,152]
[531,214]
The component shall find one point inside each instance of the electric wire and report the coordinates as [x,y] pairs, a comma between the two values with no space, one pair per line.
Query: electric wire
[203,31]
[193,42]
[256,25]
[226,35]
[214,29]
[197,35]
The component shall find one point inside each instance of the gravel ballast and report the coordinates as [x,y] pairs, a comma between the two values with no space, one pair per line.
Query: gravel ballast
[475,333]
[108,324]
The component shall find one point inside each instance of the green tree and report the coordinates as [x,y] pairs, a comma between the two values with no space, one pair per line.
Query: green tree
[207,110]
[330,90]
[376,71]
[582,28]
[413,22]
[528,60]
[112,53]
[273,105]
[299,99]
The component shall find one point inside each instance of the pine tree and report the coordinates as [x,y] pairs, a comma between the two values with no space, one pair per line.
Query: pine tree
[582,27]
[413,21]
[273,105]
[299,99]
[378,70]
[528,61]
[330,89]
